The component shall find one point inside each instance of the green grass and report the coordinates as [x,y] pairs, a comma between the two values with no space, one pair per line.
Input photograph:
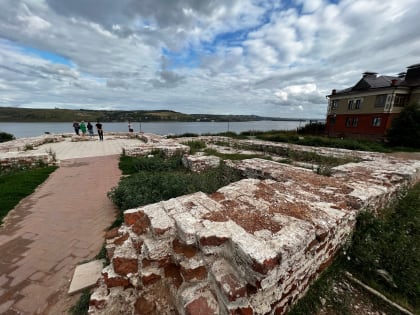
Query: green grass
[389,242]
[323,288]
[82,306]
[16,185]
[196,146]
[322,141]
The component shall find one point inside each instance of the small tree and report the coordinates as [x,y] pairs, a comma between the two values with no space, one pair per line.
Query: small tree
[405,129]
[4,136]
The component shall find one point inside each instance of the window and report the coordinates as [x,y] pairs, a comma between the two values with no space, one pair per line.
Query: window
[355,121]
[376,121]
[334,104]
[348,122]
[400,100]
[380,100]
[354,104]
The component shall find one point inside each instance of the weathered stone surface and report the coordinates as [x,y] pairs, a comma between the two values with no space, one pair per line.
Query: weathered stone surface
[199,163]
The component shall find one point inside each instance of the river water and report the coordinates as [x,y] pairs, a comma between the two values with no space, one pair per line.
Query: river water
[23,130]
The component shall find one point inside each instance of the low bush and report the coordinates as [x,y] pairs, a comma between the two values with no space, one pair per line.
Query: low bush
[4,136]
[157,163]
[156,179]
[317,128]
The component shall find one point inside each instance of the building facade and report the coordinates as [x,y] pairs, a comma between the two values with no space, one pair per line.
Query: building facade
[367,109]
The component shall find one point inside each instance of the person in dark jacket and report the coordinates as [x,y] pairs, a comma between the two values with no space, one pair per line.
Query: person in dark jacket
[100,131]
[76,127]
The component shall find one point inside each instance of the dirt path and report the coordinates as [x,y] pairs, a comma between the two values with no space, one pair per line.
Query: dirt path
[51,231]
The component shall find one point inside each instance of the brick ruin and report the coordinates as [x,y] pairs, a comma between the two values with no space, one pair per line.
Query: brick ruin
[252,247]
[17,153]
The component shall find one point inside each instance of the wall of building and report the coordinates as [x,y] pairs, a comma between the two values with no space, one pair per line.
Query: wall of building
[364,128]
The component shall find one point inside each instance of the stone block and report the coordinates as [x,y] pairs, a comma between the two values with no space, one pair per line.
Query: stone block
[86,276]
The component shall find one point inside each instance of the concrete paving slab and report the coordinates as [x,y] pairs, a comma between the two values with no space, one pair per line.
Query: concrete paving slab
[86,275]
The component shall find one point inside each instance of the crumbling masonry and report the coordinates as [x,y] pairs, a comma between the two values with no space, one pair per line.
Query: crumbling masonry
[253,247]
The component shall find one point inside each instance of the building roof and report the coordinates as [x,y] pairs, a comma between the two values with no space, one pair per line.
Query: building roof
[374,82]
[371,80]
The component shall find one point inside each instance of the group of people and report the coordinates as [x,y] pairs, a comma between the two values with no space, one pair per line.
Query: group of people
[88,127]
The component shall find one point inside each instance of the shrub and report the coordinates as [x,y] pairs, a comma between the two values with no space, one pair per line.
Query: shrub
[157,163]
[405,129]
[149,187]
[4,136]
[317,128]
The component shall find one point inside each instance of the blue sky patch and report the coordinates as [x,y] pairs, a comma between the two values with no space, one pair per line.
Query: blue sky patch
[49,56]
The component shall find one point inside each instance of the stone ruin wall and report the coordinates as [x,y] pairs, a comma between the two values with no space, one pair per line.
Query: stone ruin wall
[253,247]
[17,153]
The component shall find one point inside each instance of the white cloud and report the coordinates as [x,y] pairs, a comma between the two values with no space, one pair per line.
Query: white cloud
[240,56]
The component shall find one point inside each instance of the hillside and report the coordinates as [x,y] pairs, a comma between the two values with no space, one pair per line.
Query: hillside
[15,114]
[8,114]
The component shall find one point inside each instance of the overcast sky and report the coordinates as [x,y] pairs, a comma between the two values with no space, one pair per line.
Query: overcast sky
[268,58]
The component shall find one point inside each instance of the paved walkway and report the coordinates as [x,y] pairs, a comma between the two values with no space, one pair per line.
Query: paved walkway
[57,227]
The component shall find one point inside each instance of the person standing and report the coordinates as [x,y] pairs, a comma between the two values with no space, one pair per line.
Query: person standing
[76,127]
[90,129]
[100,131]
[83,128]
[130,127]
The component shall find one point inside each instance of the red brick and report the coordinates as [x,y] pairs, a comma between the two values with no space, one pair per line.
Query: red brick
[138,245]
[119,241]
[280,310]
[150,279]
[138,220]
[124,266]
[266,266]
[198,273]
[184,249]
[112,233]
[98,304]
[116,282]
[200,306]
[212,240]
[144,307]
[131,218]
[242,311]
[231,287]
[158,231]
[173,272]
[140,227]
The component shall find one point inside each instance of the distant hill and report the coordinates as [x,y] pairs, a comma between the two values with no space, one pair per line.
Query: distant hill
[18,114]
